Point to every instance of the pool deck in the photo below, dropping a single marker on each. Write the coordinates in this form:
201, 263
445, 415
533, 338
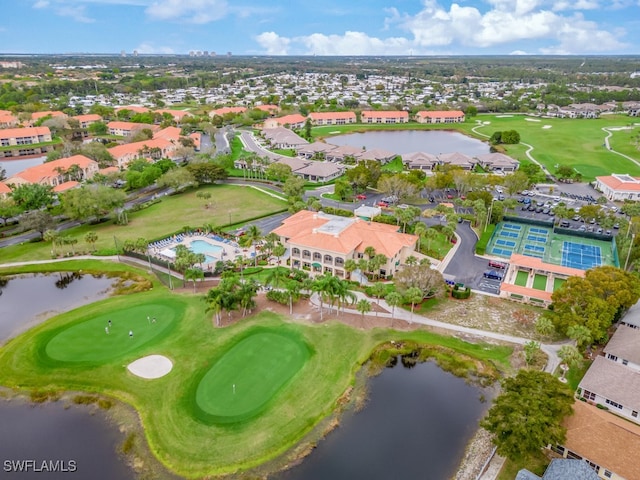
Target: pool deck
230, 249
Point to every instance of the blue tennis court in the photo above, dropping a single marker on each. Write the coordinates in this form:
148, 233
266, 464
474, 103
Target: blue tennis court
541, 231
501, 252
507, 234
536, 238
505, 243
580, 255
533, 249
511, 226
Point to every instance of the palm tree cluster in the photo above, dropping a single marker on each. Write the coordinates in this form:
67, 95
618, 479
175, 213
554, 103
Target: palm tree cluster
231, 294
333, 291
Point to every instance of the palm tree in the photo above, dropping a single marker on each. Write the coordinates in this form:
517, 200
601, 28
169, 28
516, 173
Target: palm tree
363, 306
419, 230
253, 236
581, 334
393, 299
293, 289
279, 250
413, 295
430, 234
320, 285
342, 293
52, 236
91, 238
246, 295
570, 356
214, 300
378, 290
193, 274
276, 276
350, 266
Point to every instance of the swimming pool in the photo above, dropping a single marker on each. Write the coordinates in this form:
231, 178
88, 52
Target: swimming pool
209, 250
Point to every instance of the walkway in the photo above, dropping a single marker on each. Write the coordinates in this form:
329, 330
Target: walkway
610, 131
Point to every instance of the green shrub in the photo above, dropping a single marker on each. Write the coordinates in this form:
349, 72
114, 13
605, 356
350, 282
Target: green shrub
85, 399
460, 292
341, 212
252, 270
106, 252
383, 218
481, 246
278, 296
128, 444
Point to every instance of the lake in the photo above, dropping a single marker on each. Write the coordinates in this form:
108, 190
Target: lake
416, 424
408, 141
14, 166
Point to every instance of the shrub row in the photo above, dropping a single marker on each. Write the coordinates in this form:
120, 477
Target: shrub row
278, 296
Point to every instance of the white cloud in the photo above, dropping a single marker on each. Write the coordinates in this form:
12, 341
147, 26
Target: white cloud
77, 12
149, 48
563, 5
518, 52
191, 11
41, 4
273, 44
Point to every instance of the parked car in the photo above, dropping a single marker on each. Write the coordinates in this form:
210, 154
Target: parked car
564, 223
616, 226
383, 204
499, 265
492, 274
582, 228
576, 218
361, 196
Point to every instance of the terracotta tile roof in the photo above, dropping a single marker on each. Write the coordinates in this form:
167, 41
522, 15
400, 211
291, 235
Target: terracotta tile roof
176, 114
117, 125
456, 158
65, 186
24, 132
197, 138
529, 292
291, 119
603, 438
625, 344
168, 133
4, 189
615, 183
268, 108
536, 263
40, 173
440, 114
304, 229
8, 118
384, 114
133, 148
224, 110
90, 117
332, 115
614, 381
108, 170
38, 115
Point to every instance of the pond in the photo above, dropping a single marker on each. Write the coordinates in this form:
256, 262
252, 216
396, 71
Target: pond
408, 141
416, 424
19, 164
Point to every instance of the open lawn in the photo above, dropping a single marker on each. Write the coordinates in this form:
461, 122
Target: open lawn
307, 367
230, 204
575, 142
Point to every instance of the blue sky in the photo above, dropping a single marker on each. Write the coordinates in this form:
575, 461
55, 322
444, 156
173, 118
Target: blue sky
327, 27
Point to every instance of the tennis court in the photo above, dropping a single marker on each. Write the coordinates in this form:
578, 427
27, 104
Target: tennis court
558, 249
580, 255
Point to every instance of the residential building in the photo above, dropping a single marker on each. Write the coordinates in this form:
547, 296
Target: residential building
378, 155
5, 190
420, 161
528, 293
457, 159
56, 172
283, 138
339, 154
497, 162
124, 129
381, 116
605, 442
153, 149
226, 110
315, 150
28, 141
448, 116
619, 187
86, 120
562, 469
322, 243
133, 108
35, 116
271, 109
332, 118
8, 119
294, 121
178, 115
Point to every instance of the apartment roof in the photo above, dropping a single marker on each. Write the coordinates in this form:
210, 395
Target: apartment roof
614, 381
132, 126
625, 344
529, 292
331, 115
90, 117
7, 117
385, 114
4, 189
291, 119
168, 133
419, 158
197, 138
63, 187
176, 114
440, 114
268, 108
343, 235
38, 115
620, 182
535, 263
134, 148
632, 317
224, 110
456, 158
40, 173
605, 439
377, 154
24, 132
496, 159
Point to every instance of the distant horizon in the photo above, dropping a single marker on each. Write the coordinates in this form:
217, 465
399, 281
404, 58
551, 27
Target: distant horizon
329, 28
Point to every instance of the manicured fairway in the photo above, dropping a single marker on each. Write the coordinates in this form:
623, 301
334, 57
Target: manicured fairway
88, 341
242, 382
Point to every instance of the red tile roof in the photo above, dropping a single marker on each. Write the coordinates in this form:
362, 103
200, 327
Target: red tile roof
168, 133
291, 119
268, 108
176, 114
332, 115
24, 132
440, 114
528, 292
385, 114
536, 263
616, 184
90, 117
65, 186
42, 172
4, 189
224, 110
37, 115
118, 125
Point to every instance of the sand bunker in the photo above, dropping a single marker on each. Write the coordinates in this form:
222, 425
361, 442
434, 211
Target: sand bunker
152, 366
546, 126
504, 116
532, 119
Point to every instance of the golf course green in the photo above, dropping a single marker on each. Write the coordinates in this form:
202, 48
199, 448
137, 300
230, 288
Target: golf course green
94, 341
240, 385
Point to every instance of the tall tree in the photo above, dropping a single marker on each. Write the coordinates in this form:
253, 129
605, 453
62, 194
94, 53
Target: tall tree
393, 299
363, 306
528, 414
91, 202
37, 220
32, 196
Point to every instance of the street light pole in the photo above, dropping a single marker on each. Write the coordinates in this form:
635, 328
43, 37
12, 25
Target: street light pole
626, 262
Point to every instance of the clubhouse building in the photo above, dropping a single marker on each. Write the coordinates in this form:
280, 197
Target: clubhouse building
619, 187
322, 243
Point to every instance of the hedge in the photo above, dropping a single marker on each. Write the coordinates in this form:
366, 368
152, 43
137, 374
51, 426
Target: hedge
481, 246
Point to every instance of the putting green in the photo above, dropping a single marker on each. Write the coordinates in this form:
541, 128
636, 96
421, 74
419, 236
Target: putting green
89, 342
243, 381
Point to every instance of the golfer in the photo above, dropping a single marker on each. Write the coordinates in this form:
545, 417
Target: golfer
106, 330
109, 323
130, 333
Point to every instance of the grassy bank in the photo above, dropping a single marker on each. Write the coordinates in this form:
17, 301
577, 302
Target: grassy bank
168, 406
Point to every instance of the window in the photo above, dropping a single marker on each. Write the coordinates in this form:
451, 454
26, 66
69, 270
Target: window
328, 259
317, 256
296, 251
625, 362
607, 474
634, 414
589, 395
612, 357
613, 404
